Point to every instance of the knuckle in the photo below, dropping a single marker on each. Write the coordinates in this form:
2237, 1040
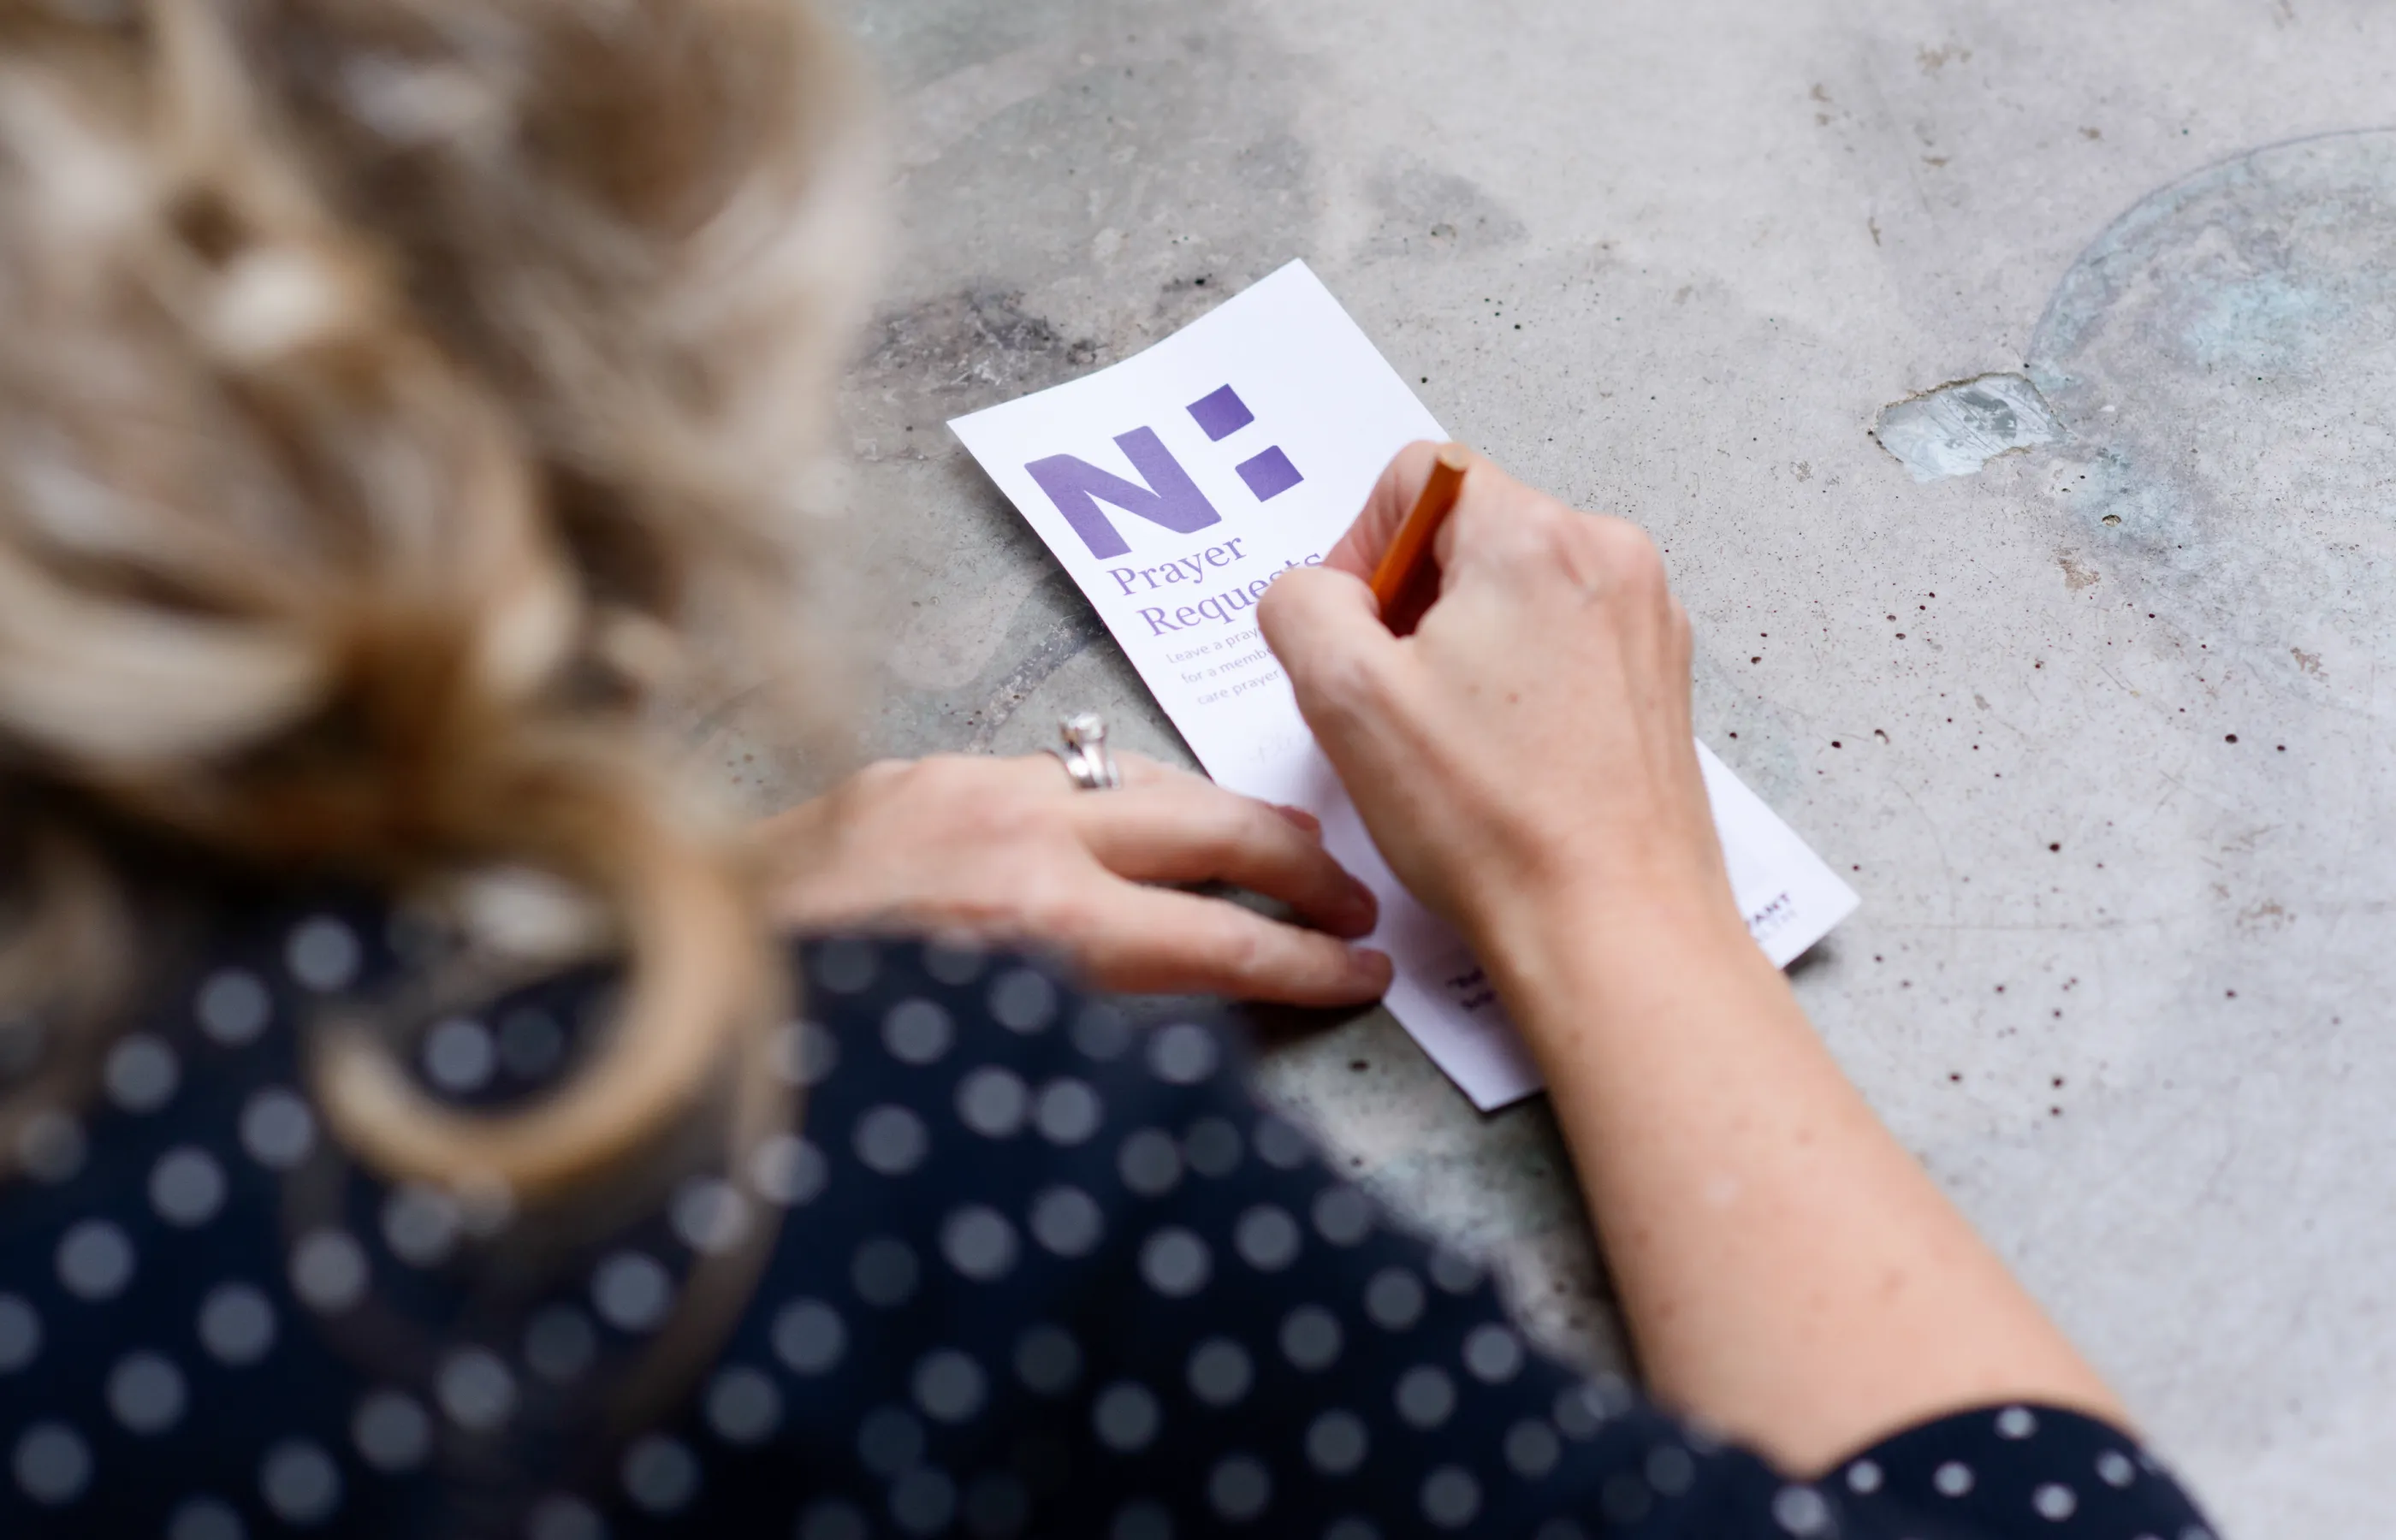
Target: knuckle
1531, 531
884, 774
873, 789
1630, 553
1229, 826
1236, 946
1276, 600
1351, 683
1054, 904
947, 773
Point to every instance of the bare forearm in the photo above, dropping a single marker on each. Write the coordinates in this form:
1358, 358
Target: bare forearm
1789, 1272
1523, 763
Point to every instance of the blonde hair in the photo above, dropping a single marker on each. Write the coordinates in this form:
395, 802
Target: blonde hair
403, 401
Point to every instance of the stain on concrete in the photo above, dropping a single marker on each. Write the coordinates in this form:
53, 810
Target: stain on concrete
1956, 428
1426, 211
2221, 357
1074, 630
980, 342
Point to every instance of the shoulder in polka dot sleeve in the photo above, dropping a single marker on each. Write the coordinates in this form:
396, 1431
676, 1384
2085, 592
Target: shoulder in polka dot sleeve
2018, 1471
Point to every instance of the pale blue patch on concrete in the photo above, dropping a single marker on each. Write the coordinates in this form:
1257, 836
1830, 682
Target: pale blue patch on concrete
1956, 428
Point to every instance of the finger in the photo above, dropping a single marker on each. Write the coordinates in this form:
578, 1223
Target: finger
1326, 628
1146, 940
1199, 833
1141, 772
1043, 773
1386, 508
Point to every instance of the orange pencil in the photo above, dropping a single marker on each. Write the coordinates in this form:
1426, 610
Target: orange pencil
1407, 582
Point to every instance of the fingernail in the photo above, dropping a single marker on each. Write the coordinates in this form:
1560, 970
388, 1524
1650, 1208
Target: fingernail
1374, 967
1302, 818
1359, 910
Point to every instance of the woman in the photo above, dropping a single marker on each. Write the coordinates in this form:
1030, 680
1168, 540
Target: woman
414, 1126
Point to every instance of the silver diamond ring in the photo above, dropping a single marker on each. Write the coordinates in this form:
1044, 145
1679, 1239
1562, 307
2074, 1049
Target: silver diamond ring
1084, 754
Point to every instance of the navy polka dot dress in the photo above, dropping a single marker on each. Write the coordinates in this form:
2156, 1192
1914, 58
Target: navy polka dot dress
1019, 1270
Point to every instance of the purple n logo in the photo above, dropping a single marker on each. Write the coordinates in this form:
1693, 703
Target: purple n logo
1169, 498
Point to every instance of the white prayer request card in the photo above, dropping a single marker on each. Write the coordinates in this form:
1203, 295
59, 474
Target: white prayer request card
1175, 485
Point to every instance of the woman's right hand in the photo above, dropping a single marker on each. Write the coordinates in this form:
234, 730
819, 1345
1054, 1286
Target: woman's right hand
1527, 749
1523, 761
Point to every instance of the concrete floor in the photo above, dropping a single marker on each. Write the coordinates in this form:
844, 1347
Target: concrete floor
2097, 732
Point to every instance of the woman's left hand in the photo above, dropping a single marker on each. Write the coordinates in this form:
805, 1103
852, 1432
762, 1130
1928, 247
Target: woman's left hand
1010, 851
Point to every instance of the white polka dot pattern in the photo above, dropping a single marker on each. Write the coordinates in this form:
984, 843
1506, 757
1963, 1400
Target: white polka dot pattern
632, 1291
563, 1517
95, 1260
1220, 1372
51, 1464
710, 1215
744, 1406
475, 1389
1800, 1510
51, 1146
950, 1386
1042, 1271
1126, 1417
277, 1129
328, 1271
660, 1474
1239, 1488
323, 955
809, 1337
236, 1324
1022, 1001
787, 1170
300, 1482
147, 1392
1067, 1221
391, 1432
1336, 1442
993, 1102
1067, 1111
234, 1007
142, 1073
1450, 1497
1183, 1054
20, 1333
560, 1344
420, 1225
205, 1518
1532, 1449
1175, 1263
917, 1031
187, 1187
460, 1057
806, 1054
